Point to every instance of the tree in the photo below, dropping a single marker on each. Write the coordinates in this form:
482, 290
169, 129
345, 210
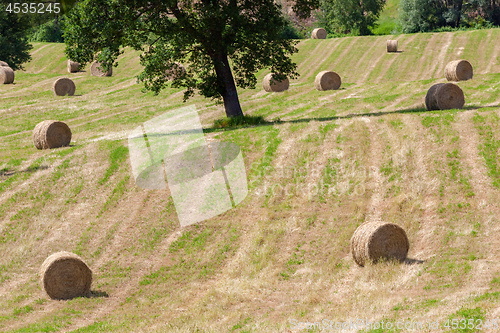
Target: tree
14, 46
350, 16
428, 15
421, 15
210, 36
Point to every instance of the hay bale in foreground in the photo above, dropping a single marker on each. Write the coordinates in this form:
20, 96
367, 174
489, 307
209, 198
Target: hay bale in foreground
271, 85
51, 134
392, 46
444, 96
95, 70
318, 33
65, 275
327, 80
4, 64
458, 70
63, 87
177, 70
373, 241
6, 75
73, 66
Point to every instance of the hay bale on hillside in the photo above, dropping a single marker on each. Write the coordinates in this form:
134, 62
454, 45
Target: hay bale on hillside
6, 75
392, 46
444, 96
177, 70
318, 33
96, 70
373, 241
65, 275
458, 70
73, 66
271, 85
327, 80
63, 87
4, 64
51, 134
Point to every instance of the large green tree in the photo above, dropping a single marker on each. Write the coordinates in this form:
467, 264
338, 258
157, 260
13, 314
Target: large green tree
223, 43
14, 46
350, 16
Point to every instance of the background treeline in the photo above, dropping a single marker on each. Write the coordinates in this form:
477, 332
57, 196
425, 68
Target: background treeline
338, 17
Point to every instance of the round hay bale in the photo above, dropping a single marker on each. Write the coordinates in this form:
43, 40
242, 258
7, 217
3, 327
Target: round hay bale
392, 46
63, 87
51, 134
373, 241
4, 64
73, 66
175, 71
6, 75
95, 70
271, 85
444, 96
458, 70
65, 275
318, 33
327, 80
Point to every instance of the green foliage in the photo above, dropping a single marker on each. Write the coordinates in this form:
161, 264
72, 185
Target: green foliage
238, 121
434, 15
210, 37
50, 31
14, 48
350, 16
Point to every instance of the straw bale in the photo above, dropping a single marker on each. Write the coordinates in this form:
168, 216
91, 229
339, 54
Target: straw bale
64, 275
444, 96
4, 64
6, 75
271, 85
73, 66
458, 70
373, 241
63, 87
95, 70
51, 134
318, 33
392, 46
177, 70
327, 80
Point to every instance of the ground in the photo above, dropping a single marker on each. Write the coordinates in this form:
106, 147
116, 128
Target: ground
322, 164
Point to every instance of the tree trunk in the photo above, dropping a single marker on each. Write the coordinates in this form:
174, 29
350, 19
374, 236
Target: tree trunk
228, 91
458, 10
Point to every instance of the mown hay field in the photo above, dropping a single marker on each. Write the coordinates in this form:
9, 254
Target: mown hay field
324, 163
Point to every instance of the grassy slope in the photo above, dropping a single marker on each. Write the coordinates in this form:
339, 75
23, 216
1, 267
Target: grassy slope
335, 160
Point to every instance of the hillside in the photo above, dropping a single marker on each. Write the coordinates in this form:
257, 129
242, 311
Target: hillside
324, 163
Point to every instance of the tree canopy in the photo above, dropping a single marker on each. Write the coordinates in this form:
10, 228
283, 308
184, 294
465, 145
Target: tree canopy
222, 43
14, 46
350, 16
428, 15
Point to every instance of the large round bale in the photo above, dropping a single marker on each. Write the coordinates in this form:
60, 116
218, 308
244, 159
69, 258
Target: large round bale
4, 64
271, 85
318, 33
73, 66
373, 241
63, 87
96, 70
51, 134
65, 275
177, 70
458, 70
392, 46
6, 75
327, 80
444, 96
